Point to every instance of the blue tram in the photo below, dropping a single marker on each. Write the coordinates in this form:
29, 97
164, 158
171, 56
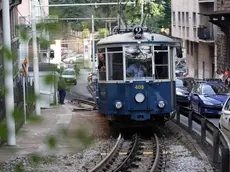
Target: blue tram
137, 76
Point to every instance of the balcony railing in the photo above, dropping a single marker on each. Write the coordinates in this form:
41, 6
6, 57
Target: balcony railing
206, 1
205, 34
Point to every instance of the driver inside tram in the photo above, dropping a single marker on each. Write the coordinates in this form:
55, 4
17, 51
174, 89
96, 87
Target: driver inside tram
136, 70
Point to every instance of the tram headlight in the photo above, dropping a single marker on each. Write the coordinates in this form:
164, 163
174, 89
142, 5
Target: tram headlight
118, 105
139, 97
161, 104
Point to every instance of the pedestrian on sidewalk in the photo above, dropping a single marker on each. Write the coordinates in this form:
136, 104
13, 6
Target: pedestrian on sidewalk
226, 77
219, 74
61, 90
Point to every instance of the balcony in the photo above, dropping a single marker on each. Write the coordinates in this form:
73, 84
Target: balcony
206, 1
205, 34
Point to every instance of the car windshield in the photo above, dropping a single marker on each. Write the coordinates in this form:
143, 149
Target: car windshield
179, 83
68, 72
214, 90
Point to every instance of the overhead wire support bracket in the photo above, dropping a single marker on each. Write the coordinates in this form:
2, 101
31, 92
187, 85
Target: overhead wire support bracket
85, 4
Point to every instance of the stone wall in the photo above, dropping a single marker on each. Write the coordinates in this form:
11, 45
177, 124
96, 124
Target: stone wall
221, 38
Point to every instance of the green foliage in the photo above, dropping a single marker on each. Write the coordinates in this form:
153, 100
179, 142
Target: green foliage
7, 54
49, 79
52, 142
44, 42
37, 159
103, 32
23, 33
85, 33
19, 167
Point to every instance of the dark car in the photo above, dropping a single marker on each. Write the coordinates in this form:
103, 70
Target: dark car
188, 82
182, 93
208, 97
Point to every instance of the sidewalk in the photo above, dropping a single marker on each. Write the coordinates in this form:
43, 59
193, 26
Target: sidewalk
31, 137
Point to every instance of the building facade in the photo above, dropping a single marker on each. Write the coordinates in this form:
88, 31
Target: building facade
222, 42
26, 46
197, 35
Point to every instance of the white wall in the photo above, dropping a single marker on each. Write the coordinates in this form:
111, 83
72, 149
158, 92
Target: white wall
57, 52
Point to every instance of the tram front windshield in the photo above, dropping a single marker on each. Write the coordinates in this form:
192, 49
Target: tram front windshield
138, 62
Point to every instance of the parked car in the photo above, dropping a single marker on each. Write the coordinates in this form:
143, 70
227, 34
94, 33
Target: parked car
208, 97
70, 76
188, 82
182, 93
224, 122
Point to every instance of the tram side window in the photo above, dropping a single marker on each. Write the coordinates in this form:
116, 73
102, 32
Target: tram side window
161, 65
115, 66
102, 66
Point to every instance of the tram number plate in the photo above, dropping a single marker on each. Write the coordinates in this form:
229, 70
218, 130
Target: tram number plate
139, 87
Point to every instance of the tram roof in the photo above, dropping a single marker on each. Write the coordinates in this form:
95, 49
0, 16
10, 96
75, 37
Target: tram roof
128, 38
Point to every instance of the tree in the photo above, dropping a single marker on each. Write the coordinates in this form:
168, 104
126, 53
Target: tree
159, 13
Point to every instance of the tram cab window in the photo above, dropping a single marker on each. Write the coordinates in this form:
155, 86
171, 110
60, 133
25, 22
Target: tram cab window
138, 62
102, 66
115, 66
161, 65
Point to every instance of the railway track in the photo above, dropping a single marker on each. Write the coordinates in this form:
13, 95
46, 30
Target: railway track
79, 102
132, 155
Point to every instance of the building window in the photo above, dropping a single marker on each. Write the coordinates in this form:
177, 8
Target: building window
187, 46
194, 19
194, 33
187, 19
187, 30
183, 32
179, 19
179, 31
192, 48
174, 18
183, 23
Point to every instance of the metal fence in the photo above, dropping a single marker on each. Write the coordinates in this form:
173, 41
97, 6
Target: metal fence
18, 102
219, 142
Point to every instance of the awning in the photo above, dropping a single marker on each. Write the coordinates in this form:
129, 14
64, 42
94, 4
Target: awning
219, 18
12, 3
216, 13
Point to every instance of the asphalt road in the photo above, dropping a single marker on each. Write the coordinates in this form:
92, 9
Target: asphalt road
80, 90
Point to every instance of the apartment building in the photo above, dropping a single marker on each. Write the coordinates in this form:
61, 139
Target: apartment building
197, 35
24, 17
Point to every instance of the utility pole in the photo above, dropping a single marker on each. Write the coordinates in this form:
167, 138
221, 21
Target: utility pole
93, 53
142, 10
35, 59
8, 76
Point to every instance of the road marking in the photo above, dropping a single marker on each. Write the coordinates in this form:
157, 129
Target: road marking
93, 114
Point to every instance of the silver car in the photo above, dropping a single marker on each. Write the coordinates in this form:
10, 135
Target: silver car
70, 76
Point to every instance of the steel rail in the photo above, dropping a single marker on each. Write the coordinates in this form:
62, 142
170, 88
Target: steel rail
157, 157
103, 163
91, 103
128, 157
